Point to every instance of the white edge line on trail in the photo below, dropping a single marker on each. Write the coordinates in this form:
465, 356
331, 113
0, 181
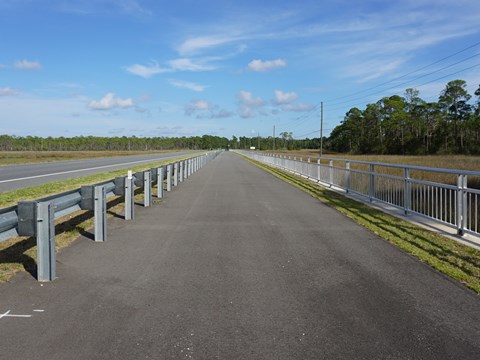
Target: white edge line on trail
88, 169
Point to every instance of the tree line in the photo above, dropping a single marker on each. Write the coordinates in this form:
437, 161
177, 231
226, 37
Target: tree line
409, 125
95, 143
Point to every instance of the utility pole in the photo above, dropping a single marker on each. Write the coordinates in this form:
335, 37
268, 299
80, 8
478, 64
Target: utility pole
273, 137
321, 129
258, 141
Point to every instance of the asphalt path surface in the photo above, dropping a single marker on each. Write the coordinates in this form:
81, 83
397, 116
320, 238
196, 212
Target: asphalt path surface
236, 264
20, 176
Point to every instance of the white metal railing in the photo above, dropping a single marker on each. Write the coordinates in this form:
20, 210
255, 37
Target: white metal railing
451, 203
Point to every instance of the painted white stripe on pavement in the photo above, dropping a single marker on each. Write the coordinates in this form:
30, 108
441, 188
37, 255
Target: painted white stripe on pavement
88, 169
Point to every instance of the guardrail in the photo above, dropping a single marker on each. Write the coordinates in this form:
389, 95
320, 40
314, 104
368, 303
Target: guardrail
402, 186
37, 218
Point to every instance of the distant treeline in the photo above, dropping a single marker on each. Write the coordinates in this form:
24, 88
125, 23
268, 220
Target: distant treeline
409, 125
87, 143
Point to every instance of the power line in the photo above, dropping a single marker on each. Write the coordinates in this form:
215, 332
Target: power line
409, 81
409, 73
417, 86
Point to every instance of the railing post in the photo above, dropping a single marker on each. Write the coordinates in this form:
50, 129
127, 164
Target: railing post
129, 197
371, 187
169, 177
147, 188
330, 166
407, 190
45, 234
461, 203
347, 171
160, 178
100, 213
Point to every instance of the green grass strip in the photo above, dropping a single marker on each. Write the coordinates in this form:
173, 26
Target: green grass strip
452, 258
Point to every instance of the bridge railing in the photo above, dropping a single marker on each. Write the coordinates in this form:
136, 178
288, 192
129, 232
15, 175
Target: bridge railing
414, 189
37, 218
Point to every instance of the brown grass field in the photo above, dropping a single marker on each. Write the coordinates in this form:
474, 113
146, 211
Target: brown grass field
30, 157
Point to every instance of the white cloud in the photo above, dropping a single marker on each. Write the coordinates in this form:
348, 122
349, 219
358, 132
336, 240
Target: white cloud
28, 65
109, 101
199, 105
282, 98
248, 104
187, 85
146, 71
196, 44
7, 91
246, 98
261, 66
185, 64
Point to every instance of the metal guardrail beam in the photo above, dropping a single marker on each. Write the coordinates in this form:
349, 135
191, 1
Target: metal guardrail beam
37, 218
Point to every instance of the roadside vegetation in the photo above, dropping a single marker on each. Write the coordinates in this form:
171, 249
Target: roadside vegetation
456, 260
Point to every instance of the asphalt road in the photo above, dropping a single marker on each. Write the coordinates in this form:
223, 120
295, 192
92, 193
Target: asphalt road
236, 264
20, 176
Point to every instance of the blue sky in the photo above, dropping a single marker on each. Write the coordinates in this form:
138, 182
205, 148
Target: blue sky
182, 68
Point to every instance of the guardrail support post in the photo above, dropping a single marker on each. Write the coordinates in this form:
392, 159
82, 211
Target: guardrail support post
175, 174
169, 177
160, 178
129, 197
147, 188
45, 242
407, 190
100, 213
182, 163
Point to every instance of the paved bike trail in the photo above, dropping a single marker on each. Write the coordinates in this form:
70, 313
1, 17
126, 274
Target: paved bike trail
236, 264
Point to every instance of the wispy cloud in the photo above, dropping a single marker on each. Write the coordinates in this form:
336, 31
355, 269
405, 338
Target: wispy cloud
8, 91
88, 7
146, 71
187, 85
27, 65
109, 101
261, 66
195, 44
186, 64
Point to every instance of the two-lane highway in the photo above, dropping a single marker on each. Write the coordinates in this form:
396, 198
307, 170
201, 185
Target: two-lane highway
20, 176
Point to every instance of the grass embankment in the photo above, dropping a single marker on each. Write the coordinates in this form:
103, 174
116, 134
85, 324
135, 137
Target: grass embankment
456, 260
20, 253
30, 157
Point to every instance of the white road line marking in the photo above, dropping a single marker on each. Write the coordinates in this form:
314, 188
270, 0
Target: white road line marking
7, 314
38, 310
88, 169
